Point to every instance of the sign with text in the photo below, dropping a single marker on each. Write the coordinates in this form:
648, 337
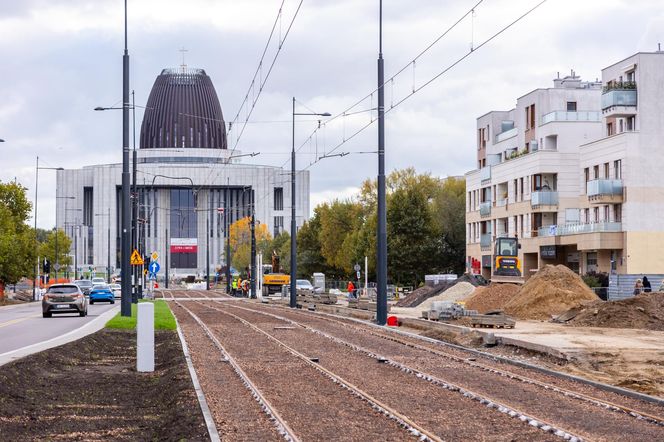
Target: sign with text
184, 245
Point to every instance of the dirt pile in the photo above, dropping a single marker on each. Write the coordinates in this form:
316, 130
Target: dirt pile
418, 296
550, 292
645, 311
458, 292
492, 297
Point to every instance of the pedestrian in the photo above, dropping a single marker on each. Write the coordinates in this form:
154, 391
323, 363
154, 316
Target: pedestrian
233, 286
638, 287
351, 289
646, 285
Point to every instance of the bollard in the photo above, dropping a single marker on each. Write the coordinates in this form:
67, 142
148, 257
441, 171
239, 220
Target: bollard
145, 337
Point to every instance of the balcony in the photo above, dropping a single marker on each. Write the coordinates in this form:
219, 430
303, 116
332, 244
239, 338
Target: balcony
501, 202
486, 241
543, 198
507, 135
619, 101
485, 174
556, 116
578, 228
604, 191
485, 208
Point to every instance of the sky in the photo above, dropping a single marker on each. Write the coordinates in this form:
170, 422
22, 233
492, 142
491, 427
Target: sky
62, 58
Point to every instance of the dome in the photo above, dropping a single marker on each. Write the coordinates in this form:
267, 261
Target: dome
183, 111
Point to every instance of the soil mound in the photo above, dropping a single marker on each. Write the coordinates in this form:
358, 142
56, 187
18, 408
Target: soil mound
550, 292
418, 296
458, 292
644, 311
492, 297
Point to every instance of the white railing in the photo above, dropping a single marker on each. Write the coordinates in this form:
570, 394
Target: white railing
507, 135
501, 202
485, 208
604, 187
485, 174
578, 228
486, 240
570, 116
544, 198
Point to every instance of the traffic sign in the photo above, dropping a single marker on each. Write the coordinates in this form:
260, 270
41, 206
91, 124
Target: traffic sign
154, 256
154, 267
57, 267
136, 259
358, 275
152, 277
357, 267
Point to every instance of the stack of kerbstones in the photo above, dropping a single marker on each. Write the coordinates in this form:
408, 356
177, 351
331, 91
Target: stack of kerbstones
307, 297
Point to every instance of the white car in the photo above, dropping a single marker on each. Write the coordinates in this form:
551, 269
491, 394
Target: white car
96, 281
117, 290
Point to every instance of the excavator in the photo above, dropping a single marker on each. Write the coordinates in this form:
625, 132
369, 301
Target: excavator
273, 278
506, 263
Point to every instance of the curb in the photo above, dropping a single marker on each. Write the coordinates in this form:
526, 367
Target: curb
84, 330
207, 415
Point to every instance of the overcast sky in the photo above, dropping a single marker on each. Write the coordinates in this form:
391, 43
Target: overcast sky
61, 58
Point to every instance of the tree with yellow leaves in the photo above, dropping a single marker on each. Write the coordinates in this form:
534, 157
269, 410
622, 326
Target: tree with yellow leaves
240, 238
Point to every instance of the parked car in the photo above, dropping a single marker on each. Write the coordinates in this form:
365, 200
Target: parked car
96, 281
117, 290
85, 285
103, 293
305, 284
64, 298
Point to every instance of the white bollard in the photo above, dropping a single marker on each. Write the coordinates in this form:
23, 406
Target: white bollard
145, 337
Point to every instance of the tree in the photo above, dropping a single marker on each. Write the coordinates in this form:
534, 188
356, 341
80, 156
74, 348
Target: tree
17, 239
47, 249
450, 215
240, 239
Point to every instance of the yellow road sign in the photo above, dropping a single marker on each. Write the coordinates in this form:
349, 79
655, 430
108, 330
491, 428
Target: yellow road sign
136, 259
155, 256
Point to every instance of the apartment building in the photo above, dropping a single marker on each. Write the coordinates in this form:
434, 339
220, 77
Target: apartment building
572, 171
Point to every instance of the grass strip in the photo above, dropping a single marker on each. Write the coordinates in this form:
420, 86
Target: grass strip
163, 318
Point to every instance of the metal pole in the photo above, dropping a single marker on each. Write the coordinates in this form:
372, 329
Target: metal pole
75, 255
108, 251
228, 239
126, 215
293, 232
36, 274
167, 253
207, 251
134, 202
253, 247
381, 268
56, 238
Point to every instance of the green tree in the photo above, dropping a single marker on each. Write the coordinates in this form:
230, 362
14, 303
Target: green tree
17, 239
240, 239
450, 215
47, 250
309, 257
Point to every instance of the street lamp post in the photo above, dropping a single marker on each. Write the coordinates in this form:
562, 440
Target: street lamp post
293, 264
57, 259
36, 273
108, 244
125, 308
381, 264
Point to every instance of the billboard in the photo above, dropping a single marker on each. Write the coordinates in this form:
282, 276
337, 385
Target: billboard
184, 245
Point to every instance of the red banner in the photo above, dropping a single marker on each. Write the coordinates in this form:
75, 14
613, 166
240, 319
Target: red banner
184, 249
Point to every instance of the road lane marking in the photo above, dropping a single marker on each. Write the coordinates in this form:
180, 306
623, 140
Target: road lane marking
17, 320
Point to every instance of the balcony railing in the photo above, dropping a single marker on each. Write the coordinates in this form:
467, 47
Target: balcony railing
617, 97
619, 85
507, 135
486, 239
485, 174
501, 202
578, 228
604, 187
544, 198
570, 116
485, 208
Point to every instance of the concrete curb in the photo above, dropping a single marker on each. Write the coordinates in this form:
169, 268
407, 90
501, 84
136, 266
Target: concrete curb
84, 330
207, 415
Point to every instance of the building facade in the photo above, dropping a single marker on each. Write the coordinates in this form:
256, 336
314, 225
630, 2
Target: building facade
189, 186
572, 172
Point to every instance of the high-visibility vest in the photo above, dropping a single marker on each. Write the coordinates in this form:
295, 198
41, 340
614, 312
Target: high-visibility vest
235, 283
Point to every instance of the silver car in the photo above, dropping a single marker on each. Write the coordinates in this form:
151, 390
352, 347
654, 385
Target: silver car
64, 298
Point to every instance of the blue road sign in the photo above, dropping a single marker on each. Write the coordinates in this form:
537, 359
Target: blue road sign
152, 277
154, 267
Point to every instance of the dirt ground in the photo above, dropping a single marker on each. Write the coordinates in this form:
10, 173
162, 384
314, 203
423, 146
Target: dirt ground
89, 390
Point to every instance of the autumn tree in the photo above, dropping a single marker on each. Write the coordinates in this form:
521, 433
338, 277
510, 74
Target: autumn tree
240, 239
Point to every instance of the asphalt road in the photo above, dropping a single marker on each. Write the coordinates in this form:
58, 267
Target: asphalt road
23, 325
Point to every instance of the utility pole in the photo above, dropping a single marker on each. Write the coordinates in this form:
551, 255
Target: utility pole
167, 252
293, 228
207, 251
134, 203
36, 274
381, 269
253, 246
228, 242
126, 214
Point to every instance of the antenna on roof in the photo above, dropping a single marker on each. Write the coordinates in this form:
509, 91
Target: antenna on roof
183, 65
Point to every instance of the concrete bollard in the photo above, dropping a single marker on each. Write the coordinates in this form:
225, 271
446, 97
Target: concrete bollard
145, 337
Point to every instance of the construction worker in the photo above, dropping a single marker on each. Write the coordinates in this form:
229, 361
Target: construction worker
351, 290
245, 288
234, 286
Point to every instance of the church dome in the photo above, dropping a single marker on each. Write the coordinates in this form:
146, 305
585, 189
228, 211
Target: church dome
183, 111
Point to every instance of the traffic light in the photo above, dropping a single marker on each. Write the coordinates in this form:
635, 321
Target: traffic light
47, 266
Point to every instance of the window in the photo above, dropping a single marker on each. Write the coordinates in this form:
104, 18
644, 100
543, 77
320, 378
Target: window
278, 198
596, 172
596, 214
609, 129
617, 173
532, 116
278, 225
521, 188
591, 259
586, 216
606, 214
631, 123
606, 170
571, 106
617, 213
586, 173
621, 127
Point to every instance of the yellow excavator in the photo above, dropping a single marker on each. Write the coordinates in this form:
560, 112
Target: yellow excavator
273, 278
506, 263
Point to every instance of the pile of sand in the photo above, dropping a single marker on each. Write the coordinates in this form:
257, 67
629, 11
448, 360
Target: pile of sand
492, 297
550, 292
645, 311
458, 292
418, 296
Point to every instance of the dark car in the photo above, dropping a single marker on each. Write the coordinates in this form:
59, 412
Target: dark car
85, 285
103, 293
64, 298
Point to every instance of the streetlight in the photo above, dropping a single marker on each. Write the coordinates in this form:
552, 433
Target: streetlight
381, 264
57, 263
75, 239
36, 273
293, 272
108, 245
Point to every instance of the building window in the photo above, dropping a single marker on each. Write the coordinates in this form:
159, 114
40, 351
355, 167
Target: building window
586, 174
606, 170
631, 123
591, 259
606, 214
278, 225
617, 213
571, 106
596, 172
586, 216
617, 173
278, 198
521, 188
609, 129
532, 116
596, 214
